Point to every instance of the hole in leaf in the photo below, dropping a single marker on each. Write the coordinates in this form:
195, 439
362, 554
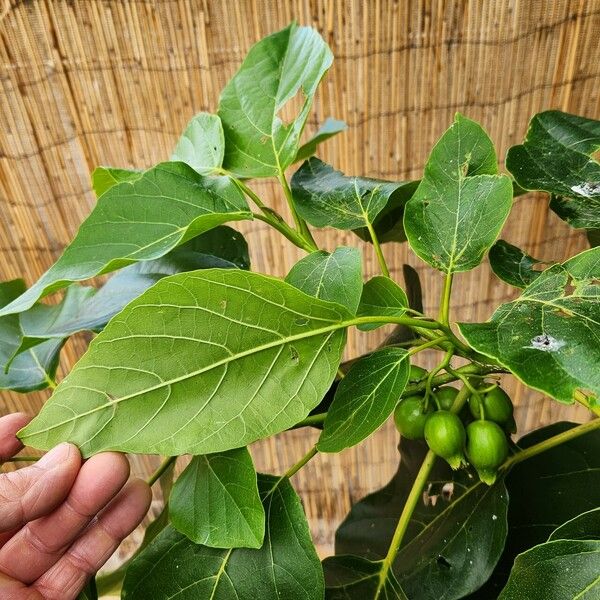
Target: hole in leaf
443, 562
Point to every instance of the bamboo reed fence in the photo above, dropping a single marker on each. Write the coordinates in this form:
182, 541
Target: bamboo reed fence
85, 83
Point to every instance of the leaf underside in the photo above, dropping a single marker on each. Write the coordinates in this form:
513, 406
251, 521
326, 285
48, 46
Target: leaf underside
512, 265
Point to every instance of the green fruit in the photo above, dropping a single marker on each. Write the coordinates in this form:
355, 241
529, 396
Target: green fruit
417, 373
487, 449
445, 396
497, 407
445, 436
410, 418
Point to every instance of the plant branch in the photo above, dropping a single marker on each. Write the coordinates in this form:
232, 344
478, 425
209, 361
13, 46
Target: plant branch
295, 468
300, 223
161, 470
444, 316
317, 419
584, 401
412, 500
377, 248
552, 442
285, 230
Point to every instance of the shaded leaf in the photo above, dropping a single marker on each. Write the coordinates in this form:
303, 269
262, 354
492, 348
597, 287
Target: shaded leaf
549, 336
461, 203
140, 220
350, 577
258, 143
103, 178
557, 157
454, 538
202, 145
389, 223
381, 296
336, 277
593, 236
220, 358
585, 526
89, 592
365, 398
558, 570
215, 501
34, 368
512, 265
327, 198
286, 566
542, 490
329, 128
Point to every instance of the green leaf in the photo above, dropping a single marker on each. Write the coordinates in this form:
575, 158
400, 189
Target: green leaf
329, 128
381, 296
350, 577
286, 566
461, 203
201, 362
454, 538
141, 220
215, 501
559, 570
33, 369
585, 526
202, 145
389, 223
512, 265
85, 308
89, 592
336, 277
327, 198
557, 157
258, 142
365, 398
593, 236
103, 178
549, 336
546, 491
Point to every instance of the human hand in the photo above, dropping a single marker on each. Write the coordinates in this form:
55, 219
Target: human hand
62, 518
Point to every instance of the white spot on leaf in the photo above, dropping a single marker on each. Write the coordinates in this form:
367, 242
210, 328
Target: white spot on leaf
588, 188
546, 343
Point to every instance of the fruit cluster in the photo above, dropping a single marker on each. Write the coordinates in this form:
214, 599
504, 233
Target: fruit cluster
478, 433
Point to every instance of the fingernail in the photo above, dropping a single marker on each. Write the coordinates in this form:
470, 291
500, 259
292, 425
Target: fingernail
56, 456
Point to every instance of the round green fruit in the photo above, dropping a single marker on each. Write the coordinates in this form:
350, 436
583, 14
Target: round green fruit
416, 373
446, 396
497, 407
487, 449
445, 436
410, 417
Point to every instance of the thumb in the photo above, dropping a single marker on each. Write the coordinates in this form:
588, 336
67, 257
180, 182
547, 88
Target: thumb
35, 491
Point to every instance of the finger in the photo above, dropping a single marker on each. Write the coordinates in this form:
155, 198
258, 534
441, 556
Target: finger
15, 590
38, 545
67, 577
9, 443
36, 491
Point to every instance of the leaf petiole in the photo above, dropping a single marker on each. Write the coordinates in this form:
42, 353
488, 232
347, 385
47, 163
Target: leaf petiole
377, 248
164, 466
300, 223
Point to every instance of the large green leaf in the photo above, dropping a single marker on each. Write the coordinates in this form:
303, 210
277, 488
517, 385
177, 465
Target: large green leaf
140, 220
549, 337
336, 277
103, 178
34, 368
327, 198
350, 577
389, 223
512, 265
258, 142
202, 145
558, 570
365, 398
585, 526
201, 362
285, 567
546, 491
461, 203
381, 296
557, 157
454, 538
329, 128
215, 501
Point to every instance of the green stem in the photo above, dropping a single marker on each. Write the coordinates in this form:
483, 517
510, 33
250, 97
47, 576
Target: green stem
552, 442
285, 230
425, 345
317, 419
584, 401
377, 248
295, 468
444, 317
412, 501
249, 192
400, 320
23, 459
161, 470
300, 223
